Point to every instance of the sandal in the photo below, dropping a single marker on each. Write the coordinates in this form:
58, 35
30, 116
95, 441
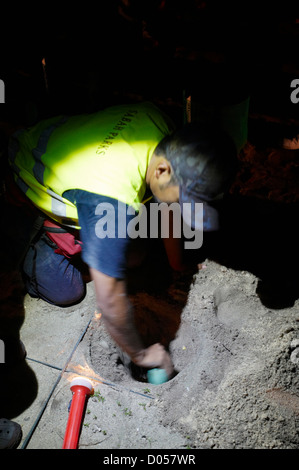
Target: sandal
10, 434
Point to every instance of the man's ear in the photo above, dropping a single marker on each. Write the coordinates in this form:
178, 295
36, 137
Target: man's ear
163, 170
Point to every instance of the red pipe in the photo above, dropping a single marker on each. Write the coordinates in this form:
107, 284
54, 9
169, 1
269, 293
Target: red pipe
81, 389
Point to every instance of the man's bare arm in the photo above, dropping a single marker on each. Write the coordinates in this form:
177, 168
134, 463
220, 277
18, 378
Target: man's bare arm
117, 313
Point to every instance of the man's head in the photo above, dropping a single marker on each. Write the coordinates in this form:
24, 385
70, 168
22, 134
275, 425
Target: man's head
196, 163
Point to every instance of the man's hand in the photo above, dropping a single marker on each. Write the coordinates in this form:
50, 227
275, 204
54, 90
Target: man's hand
155, 356
119, 321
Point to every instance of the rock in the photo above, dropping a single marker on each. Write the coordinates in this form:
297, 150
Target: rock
295, 356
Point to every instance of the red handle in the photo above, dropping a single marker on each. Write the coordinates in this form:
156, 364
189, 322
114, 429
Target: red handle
72, 432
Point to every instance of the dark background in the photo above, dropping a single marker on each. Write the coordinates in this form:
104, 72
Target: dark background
128, 50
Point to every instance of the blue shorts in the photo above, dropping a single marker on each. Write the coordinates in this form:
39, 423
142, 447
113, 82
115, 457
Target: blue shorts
51, 276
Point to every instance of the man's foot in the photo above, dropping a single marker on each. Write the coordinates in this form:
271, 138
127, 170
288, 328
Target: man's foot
10, 434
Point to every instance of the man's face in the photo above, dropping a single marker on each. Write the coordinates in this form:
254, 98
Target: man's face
165, 194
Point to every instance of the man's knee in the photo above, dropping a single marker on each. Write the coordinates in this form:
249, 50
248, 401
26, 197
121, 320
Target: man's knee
64, 294
52, 277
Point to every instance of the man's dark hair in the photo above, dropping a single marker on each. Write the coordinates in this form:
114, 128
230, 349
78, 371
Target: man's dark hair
201, 153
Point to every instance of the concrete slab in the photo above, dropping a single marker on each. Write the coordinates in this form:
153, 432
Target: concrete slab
51, 336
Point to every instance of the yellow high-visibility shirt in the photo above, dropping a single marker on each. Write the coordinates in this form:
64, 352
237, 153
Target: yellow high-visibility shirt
105, 153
